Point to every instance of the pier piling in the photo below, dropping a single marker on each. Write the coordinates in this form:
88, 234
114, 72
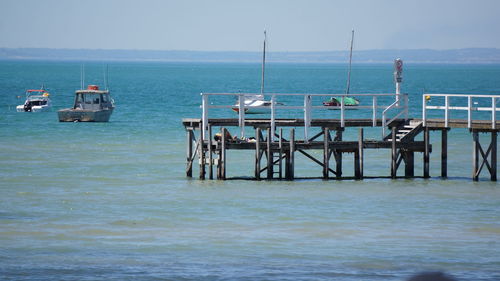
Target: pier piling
493, 152
258, 153
326, 152
223, 153
426, 152
201, 155
394, 159
210, 158
444, 153
291, 166
337, 153
360, 154
269, 154
189, 153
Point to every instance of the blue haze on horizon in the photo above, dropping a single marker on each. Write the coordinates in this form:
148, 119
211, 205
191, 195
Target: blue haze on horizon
235, 25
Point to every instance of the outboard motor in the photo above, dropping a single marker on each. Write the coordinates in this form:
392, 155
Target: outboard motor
27, 107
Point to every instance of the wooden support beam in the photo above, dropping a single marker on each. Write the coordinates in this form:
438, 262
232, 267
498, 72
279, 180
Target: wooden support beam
426, 152
394, 167
189, 153
361, 153
315, 136
399, 159
314, 159
287, 164
210, 159
475, 155
292, 154
484, 156
490, 154
493, 152
357, 172
326, 153
280, 164
274, 163
269, 155
223, 153
257, 153
219, 159
201, 156
409, 157
195, 153
338, 154
444, 153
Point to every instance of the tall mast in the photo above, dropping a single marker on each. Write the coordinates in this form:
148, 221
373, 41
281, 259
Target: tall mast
350, 62
263, 64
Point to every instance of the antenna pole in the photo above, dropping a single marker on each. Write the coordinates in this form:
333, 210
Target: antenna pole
81, 77
263, 64
350, 62
105, 73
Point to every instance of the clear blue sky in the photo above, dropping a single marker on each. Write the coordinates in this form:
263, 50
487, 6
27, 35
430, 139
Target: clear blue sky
219, 25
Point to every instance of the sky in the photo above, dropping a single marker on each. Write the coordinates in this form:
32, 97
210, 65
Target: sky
237, 25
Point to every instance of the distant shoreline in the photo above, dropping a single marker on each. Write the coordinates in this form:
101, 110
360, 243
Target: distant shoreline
427, 56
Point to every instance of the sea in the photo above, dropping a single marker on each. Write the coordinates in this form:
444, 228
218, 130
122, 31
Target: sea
111, 201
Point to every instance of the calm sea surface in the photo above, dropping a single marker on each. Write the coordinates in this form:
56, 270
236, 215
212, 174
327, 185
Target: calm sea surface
83, 201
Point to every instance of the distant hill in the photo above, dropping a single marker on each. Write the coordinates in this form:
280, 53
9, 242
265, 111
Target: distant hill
472, 55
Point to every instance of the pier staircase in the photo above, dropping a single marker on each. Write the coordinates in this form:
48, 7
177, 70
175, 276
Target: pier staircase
407, 132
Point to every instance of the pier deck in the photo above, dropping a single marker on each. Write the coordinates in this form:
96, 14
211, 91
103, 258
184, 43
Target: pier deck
432, 123
275, 149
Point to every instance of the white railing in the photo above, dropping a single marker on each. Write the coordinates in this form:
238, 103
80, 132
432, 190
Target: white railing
427, 98
394, 105
307, 107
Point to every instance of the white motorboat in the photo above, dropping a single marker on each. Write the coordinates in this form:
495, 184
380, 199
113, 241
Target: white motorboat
36, 101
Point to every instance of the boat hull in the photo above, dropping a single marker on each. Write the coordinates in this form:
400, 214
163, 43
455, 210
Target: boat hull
347, 107
255, 106
250, 110
21, 108
335, 103
78, 115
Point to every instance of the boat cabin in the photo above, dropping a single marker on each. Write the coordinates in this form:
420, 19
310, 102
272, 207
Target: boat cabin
92, 99
36, 100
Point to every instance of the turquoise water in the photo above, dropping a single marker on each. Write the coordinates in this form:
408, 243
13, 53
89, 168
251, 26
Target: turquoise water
83, 201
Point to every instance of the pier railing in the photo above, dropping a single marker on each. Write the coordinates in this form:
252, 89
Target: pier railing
468, 103
392, 108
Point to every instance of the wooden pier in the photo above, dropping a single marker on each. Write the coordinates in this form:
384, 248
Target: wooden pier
275, 141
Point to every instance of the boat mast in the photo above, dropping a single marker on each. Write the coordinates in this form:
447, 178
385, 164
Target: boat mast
106, 78
350, 62
263, 64
82, 76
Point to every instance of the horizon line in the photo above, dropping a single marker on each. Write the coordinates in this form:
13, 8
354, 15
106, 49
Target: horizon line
256, 51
